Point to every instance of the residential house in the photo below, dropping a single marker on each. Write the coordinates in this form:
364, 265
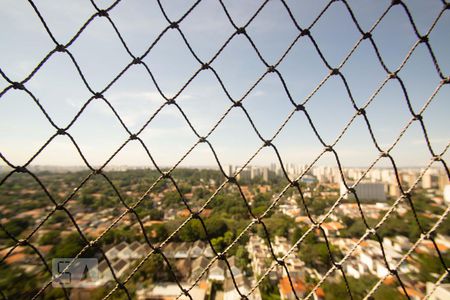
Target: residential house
197, 249
111, 252
171, 291
120, 267
281, 245
209, 252
134, 246
182, 251
143, 250
332, 228
170, 250
286, 292
183, 267
124, 251
235, 270
217, 270
243, 284
198, 266
295, 266
104, 273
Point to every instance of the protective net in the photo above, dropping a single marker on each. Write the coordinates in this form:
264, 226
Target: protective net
337, 264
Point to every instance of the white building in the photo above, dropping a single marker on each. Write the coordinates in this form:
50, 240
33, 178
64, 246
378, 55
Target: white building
217, 271
366, 191
447, 193
442, 292
244, 286
170, 291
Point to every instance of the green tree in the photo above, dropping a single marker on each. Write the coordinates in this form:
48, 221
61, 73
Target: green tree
269, 290
50, 238
70, 246
15, 227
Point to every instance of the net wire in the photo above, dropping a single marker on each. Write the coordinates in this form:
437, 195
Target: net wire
238, 104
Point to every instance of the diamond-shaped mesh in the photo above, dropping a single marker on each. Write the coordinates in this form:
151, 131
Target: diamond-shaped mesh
302, 34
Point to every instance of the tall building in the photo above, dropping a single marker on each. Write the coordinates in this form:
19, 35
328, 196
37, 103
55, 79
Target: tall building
265, 174
230, 170
366, 191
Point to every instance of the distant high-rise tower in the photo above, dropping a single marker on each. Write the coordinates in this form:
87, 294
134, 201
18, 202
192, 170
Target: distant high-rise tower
230, 170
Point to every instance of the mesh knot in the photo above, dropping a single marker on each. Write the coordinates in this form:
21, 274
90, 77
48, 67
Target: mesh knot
367, 35
371, 231
120, 285
98, 95
257, 220
328, 148
202, 139
271, 69
232, 179
392, 75
240, 30
98, 172
237, 104
133, 137
361, 111
338, 265
205, 66
267, 143
418, 117
157, 250
18, 86
393, 272
170, 101
395, 2
384, 154
102, 13
195, 215
21, 169
305, 32
430, 235
22, 242
92, 244
299, 107
174, 25
137, 60
446, 80
437, 158
334, 71
351, 190
165, 175
60, 48
243, 297
186, 292
61, 131
221, 256
424, 39
447, 6
59, 207
295, 183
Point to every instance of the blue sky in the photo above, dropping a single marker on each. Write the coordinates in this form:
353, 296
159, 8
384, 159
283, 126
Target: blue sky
101, 56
